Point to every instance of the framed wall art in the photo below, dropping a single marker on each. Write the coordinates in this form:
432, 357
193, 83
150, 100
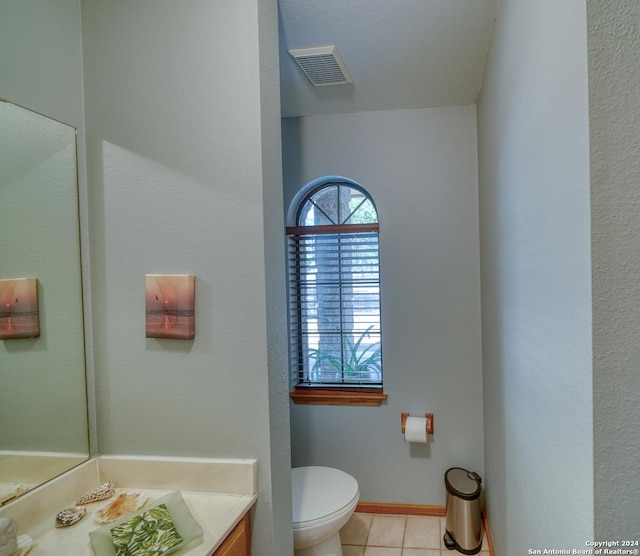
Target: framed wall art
170, 306
19, 316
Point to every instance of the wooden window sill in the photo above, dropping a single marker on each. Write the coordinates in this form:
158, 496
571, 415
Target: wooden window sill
319, 396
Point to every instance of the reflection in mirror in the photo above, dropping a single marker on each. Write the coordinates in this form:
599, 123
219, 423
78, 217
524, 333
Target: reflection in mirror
43, 404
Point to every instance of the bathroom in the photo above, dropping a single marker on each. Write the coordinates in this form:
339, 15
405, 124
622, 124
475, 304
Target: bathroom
180, 167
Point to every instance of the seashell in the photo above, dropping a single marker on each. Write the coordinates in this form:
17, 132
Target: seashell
69, 516
102, 492
24, 544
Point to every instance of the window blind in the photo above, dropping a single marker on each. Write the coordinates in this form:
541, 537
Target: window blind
334, 306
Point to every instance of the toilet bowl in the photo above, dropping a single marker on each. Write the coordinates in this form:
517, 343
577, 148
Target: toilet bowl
323, 501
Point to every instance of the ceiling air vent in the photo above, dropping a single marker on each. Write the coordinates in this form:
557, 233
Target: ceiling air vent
322, 65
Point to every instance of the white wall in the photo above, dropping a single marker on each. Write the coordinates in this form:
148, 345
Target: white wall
614, 90
420, 168
175, 145
533, 124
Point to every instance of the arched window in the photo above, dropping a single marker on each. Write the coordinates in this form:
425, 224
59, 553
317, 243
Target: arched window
334, 293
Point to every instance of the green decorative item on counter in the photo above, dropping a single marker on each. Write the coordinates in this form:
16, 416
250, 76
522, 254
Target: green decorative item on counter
149, 534
168, 518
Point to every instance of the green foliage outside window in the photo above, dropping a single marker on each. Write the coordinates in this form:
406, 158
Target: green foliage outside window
352, 360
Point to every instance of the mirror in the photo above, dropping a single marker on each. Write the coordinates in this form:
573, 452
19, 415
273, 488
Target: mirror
43, 402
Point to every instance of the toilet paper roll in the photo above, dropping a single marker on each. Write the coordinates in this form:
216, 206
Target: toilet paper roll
415, 430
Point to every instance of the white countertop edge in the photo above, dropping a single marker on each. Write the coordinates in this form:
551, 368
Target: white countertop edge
184, 459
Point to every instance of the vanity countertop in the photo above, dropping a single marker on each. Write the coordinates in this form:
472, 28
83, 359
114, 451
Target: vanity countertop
218, 493
217, 514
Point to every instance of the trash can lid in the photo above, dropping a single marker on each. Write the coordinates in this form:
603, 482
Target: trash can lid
462, 483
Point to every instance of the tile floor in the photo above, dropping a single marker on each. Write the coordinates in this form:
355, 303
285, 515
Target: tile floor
396, 535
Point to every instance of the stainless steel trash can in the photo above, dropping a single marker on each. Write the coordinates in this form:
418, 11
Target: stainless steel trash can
464, 522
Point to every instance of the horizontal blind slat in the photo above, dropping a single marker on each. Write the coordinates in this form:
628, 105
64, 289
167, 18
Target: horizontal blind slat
334, 307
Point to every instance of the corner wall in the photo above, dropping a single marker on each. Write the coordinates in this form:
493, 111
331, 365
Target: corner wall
275, 279
533, 133
420, 166
614, 90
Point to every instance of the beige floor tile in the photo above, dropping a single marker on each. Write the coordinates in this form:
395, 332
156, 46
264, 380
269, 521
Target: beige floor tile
422, 532
349, 550
382, 551
386, 530
420, 552
422, 536
356, 530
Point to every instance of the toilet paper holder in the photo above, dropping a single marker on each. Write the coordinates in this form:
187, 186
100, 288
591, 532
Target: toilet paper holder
427, 416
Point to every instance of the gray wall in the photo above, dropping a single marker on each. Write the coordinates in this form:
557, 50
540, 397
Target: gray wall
420, 166
533, 124
175, 146
614, 90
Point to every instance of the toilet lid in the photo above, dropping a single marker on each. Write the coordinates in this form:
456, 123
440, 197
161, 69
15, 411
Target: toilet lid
318, 492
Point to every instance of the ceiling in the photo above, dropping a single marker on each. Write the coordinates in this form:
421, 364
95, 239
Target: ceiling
400, 53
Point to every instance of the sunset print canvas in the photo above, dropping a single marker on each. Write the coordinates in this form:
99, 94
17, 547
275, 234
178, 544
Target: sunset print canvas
19, 308
170, 300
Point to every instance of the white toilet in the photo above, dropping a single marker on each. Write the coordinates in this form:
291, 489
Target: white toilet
323, 501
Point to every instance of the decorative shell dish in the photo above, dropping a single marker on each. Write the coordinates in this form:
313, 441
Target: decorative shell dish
104, 491
123, 504
69, 516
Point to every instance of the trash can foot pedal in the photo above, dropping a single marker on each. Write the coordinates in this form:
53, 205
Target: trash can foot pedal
448, 541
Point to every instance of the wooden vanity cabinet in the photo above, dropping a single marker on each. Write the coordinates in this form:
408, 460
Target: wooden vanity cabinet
238, 542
